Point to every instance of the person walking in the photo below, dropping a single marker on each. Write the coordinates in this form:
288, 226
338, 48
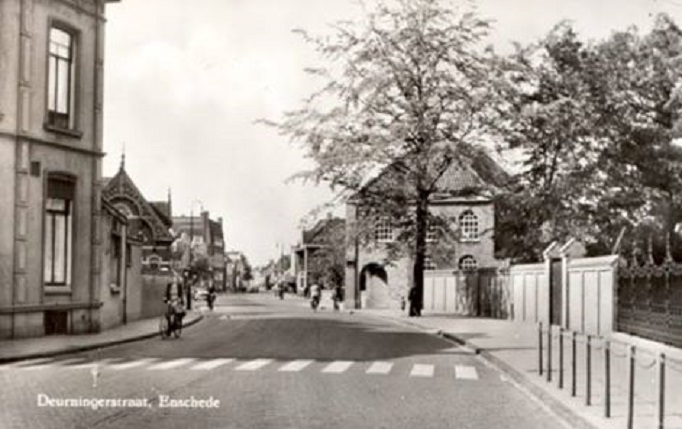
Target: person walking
415, 305
337, 297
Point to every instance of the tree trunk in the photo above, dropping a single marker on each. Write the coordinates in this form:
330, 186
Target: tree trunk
416, 304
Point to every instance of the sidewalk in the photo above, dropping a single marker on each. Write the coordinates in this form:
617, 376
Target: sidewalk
40, 347
512, 348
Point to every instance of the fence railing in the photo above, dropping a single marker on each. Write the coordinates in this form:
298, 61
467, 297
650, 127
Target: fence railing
649, 299
556, 340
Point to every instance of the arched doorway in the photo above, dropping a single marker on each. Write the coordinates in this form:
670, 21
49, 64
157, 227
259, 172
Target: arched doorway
374, 291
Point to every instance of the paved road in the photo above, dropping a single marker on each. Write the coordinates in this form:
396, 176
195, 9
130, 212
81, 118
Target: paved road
258, 362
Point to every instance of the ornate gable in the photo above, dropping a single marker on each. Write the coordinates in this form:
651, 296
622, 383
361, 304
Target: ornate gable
122, 193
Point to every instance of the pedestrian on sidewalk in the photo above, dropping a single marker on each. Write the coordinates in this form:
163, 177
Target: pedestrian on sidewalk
415, 305
337, 297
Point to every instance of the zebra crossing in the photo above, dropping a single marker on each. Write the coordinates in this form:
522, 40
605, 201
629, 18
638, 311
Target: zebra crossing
377, 368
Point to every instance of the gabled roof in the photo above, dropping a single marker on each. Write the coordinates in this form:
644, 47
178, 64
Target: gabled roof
480, 174
162, 208
318, 234
120, 190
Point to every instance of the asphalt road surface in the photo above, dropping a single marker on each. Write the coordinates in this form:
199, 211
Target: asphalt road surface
258, 362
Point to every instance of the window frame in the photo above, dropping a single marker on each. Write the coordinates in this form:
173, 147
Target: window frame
71, 127
50, 216
383, 231
469, 231
467, 258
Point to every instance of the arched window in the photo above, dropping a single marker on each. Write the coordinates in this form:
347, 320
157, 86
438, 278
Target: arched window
468, 224
154, 262
468, 263
125, 210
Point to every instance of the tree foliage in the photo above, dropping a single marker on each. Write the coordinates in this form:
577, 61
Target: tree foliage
410, 88
596, 122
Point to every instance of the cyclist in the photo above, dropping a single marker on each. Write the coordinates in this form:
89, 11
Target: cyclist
175, 310
315, 295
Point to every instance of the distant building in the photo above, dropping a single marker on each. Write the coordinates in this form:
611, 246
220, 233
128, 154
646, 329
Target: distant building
314, 255
206, 239
51, 100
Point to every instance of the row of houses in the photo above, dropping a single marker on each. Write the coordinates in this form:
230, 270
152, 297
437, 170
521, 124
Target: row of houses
78, 252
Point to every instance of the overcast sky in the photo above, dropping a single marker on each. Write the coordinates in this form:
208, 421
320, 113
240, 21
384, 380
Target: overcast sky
186, 79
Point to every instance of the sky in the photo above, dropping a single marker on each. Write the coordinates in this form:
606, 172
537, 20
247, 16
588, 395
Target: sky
186, 81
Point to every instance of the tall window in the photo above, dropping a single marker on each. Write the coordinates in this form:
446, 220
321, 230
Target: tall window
116, 256
383, 231
58, 239
61, 79
468, 224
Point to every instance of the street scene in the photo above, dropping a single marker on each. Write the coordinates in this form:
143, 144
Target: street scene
273, 364
341, 214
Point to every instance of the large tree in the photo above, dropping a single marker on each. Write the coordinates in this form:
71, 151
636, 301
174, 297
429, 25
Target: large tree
597, 122
408, 87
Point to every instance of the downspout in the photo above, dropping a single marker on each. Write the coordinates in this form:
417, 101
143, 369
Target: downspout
124, 268
17, 148
99, 12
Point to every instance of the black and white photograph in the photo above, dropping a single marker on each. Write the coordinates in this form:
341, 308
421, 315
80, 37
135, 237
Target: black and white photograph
341, 214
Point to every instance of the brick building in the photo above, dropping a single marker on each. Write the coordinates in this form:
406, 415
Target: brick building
464, 199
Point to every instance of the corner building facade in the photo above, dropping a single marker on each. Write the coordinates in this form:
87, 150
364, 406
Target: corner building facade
51, 96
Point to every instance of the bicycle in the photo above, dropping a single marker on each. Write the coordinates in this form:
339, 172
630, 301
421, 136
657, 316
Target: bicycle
173, 316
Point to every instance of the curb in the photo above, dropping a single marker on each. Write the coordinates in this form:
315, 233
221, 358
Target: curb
569, 417
87, 347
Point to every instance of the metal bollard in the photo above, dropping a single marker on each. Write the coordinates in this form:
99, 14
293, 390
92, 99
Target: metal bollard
549, 353
588, 370
540, 348
561, 357
660, 403
631, 387
574, 356
607, 379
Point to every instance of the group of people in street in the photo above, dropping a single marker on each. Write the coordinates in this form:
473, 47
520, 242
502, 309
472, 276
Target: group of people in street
314, 293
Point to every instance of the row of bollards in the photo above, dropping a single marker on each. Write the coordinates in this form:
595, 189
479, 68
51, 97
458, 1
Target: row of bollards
590, 340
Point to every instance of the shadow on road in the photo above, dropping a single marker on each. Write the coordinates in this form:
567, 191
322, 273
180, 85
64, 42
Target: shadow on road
286, 337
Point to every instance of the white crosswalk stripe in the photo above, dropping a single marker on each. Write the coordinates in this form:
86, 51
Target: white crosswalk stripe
212, 364
132, 364
253, 365
466, 372
295, 366
380, 368
37, 364
463, 372
421, 370
337, 367
171, 364
99, 363
30, 363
